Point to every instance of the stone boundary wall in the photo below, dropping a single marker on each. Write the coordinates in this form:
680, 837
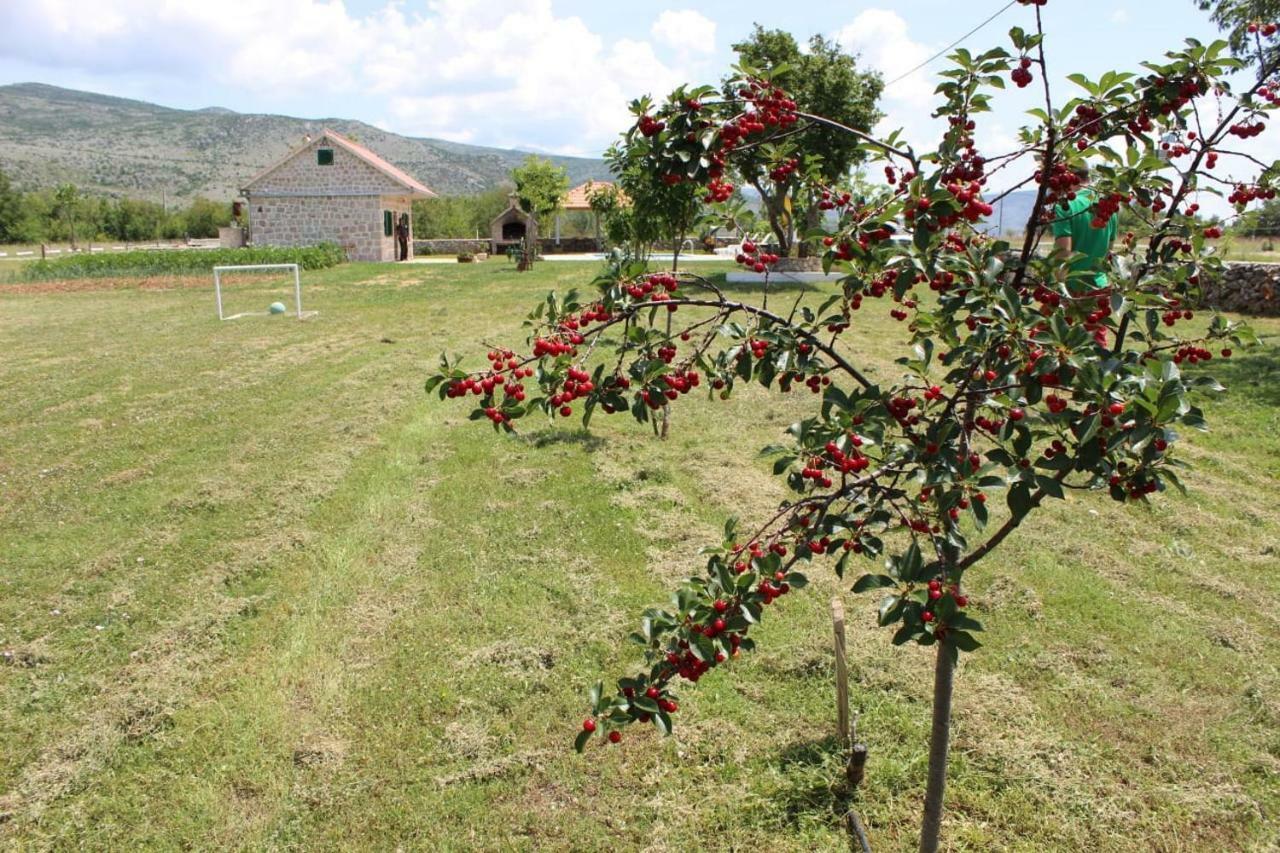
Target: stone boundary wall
1246, 288
449, 247
568, 245
547, 245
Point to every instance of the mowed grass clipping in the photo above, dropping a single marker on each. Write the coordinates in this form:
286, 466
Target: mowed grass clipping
257, 591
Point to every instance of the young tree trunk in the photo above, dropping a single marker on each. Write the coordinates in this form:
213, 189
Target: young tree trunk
939, 741
772, 209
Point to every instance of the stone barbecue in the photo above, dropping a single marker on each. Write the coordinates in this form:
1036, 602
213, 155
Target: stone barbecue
511, 227
333, 190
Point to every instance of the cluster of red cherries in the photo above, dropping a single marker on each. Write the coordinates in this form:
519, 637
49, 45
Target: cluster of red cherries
1021, 75
753, 258
650, 126
660, 282
1244, 193
1247, 129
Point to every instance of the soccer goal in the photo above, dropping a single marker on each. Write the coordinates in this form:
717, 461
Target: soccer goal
220, 271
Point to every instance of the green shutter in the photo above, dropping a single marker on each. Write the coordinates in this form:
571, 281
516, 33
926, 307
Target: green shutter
324, 156
386, 223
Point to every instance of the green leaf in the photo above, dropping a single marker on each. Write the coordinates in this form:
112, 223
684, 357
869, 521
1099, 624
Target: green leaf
890, 610
580, 741
869, 582
663, 721
1020, 500
1051, 486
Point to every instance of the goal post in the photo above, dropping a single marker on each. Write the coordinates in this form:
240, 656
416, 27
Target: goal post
217, 286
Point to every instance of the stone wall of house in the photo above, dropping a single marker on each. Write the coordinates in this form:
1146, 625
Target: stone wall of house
1246, 288
353, 222
356, 223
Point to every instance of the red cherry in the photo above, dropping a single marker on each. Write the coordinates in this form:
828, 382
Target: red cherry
615, 736
588, 725
1116, 408
1016, 414
653, 693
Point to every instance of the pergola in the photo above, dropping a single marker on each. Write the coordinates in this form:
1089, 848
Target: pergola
578, 199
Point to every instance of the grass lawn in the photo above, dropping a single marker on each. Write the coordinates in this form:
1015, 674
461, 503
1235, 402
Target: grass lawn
258, 591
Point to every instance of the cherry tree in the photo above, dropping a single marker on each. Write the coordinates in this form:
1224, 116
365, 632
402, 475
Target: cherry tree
1018, 381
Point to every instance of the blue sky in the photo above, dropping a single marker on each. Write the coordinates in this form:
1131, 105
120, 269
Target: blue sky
552, 75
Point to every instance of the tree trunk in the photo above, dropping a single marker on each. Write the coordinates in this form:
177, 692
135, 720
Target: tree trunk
771, 205
939, 741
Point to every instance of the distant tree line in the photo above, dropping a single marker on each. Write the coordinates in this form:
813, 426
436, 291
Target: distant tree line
457, 216
66, 215
540, 186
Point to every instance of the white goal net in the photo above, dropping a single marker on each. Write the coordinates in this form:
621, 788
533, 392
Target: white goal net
257, 283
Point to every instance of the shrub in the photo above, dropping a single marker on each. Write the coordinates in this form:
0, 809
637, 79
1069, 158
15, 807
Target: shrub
157, 262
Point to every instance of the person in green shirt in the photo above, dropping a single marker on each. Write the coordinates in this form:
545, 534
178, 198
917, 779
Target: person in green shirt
1074, 231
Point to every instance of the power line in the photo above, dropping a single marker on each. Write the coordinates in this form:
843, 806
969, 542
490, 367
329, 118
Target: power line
943, 52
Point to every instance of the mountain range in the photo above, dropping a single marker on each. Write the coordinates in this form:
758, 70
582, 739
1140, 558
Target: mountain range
121, 147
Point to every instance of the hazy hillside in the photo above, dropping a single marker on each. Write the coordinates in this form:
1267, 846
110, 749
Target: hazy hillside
118, 146
1011, 213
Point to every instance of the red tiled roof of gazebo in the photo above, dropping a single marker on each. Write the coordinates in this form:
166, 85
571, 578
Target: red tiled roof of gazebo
579, 198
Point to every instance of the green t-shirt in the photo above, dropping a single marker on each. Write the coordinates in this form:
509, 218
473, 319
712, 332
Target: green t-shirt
1075, 220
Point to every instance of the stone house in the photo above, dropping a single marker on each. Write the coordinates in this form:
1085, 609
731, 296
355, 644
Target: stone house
332, 190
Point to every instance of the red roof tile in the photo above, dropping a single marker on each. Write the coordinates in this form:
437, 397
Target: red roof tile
579, 198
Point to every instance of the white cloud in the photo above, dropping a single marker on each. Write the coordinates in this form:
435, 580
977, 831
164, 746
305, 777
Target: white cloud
505, 72
881, 39
685, 30
1120, 16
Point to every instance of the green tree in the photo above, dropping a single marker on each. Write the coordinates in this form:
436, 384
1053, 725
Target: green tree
133, 220
541, 186
1234, 17
10, 209
1015, 380
203, 217
462, 216
618, 220
652, 207
822, 81
66, 208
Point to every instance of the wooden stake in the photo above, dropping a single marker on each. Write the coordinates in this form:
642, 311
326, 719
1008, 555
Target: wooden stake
842, 674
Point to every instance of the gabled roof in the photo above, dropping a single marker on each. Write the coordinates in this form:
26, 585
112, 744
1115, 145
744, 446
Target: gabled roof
513, 206
415, 187
579, 198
